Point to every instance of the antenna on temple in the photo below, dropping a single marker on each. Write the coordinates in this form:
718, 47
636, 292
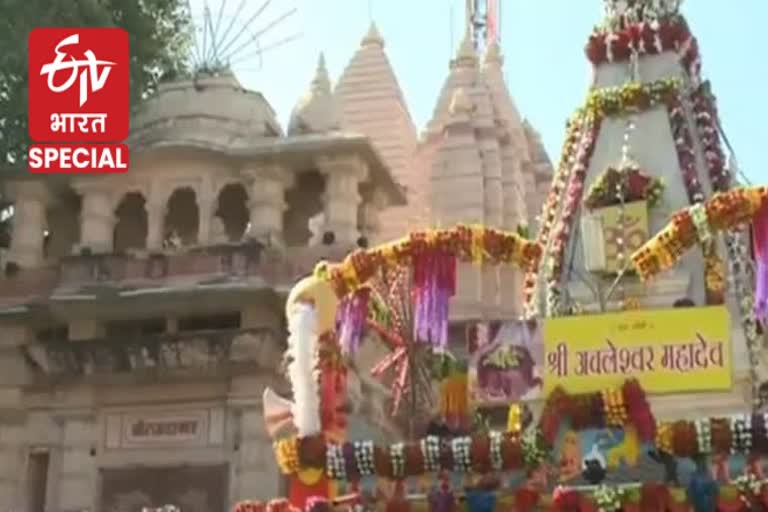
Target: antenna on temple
451, 29
218, 43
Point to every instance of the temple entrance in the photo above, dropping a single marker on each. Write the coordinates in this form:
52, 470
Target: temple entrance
190, 488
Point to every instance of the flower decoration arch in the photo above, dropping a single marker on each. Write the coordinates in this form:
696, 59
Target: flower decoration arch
332, 302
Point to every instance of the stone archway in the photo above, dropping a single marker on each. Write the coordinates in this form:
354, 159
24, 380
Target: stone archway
131, 225
182, 218
232, 213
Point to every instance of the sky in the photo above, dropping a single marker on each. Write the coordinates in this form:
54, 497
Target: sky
542, 42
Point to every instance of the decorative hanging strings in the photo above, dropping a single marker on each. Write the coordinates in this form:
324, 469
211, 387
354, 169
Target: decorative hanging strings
434, 283
760, 236
351, 320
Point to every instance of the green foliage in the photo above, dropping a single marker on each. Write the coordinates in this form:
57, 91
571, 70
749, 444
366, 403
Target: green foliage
481, 423
159, 31
444, 365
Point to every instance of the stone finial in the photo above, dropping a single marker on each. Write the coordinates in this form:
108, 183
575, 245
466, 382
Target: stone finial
316, 111
321, 82
461, 103
466, 56
493, 54
373, 37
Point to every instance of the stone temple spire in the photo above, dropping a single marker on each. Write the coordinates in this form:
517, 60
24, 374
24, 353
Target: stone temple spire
372, 103
316, 111
476, 154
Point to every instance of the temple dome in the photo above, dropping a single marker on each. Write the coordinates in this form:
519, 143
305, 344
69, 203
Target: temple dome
211, 111
317, 111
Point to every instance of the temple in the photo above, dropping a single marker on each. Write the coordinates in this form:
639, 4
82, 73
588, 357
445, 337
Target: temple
142, 314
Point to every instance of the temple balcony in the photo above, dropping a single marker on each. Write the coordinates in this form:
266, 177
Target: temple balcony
210, 353
236, 266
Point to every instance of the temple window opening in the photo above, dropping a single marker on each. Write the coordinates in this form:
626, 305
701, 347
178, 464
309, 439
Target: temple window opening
182, 220
61, 231
233, 213
38, 465
304, 203
132, 223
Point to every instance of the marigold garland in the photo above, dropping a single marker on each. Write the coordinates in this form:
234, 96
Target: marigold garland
287, 455
630, 98
724, 211
467, 243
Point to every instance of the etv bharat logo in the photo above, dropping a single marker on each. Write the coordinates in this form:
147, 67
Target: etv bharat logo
91, 65
78, 102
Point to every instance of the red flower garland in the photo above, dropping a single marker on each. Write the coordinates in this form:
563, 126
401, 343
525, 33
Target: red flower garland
526, 499
587, 411
654, 497
643, 38
573, 198
570, 500
573, 133
638, 410
705, 112
646, 39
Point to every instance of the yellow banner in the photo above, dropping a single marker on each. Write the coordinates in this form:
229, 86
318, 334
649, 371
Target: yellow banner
668, 350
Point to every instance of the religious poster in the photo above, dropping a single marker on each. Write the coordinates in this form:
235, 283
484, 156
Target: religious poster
668, 351
505, 363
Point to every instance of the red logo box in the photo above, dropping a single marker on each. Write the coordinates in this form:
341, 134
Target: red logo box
79, 81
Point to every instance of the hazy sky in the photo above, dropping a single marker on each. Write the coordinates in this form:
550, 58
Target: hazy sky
542, 41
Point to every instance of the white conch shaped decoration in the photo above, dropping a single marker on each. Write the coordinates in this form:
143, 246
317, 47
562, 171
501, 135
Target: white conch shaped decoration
278, 415
302, 370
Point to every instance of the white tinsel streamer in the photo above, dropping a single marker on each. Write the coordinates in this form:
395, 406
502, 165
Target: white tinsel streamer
302, 371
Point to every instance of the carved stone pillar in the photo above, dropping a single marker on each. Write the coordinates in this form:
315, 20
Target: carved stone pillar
11, 459
370, 214
256, 469
76, 480
205, 207
155, 219
97, 218
343, 176
29, 223
267, 203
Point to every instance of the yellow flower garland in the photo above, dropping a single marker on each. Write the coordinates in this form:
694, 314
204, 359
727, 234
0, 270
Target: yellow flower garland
453, 395
475, 243
664, 432
515, 419
287, 455
723, 211
615, 408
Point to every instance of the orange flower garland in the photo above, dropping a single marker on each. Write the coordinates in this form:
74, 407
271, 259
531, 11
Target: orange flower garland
476, 244
724, 211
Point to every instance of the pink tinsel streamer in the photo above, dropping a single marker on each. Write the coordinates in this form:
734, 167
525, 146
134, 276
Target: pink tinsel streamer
760, 236
350, 320
434, 279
